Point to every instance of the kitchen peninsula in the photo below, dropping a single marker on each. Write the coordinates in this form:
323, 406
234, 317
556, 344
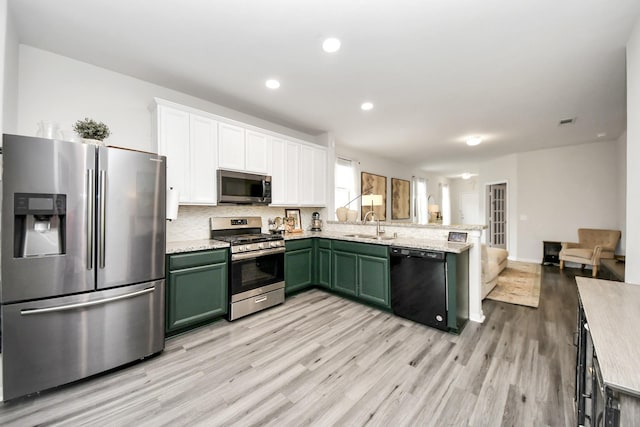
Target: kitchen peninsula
428, 236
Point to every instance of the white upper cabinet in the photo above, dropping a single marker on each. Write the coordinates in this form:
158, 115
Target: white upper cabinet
292, 165
313, 176
319, 182
299, 174
278, 172
173, 142
231, 147
256, 152
306, 177
242, 149
204, 144
197, 143
190, 143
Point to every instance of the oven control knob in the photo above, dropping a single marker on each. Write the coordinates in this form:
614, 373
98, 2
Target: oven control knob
240, 248
275, 244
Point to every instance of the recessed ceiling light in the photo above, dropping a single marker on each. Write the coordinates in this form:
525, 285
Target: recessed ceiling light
331, 45
474, 140
602, 135
366, 106
272, 84
466, 175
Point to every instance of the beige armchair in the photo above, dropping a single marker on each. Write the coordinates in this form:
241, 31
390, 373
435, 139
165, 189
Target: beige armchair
593, 246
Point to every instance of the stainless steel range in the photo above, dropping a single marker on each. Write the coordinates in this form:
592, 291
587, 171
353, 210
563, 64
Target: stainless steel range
256, 274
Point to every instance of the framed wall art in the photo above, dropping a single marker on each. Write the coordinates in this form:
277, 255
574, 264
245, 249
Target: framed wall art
292, 221
400, 198
374, 184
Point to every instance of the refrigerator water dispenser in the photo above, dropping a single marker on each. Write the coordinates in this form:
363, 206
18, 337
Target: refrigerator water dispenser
39, 224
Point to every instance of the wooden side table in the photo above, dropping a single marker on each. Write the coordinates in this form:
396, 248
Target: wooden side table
551, 252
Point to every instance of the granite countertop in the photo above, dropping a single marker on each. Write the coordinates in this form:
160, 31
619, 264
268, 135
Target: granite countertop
434, 245
612, 314
194, 245
413, 225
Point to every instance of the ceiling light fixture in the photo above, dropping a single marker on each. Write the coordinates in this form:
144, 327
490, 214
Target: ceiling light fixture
602, 135
366, 106
331, 45
474, 140
272, 84
466, 175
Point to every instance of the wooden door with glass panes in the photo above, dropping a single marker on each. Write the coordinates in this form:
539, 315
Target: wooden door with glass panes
497, 206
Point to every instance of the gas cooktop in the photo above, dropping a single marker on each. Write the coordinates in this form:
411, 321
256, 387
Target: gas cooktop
245, 235
243, 239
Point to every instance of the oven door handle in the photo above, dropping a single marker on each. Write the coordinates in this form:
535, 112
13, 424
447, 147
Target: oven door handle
255, 254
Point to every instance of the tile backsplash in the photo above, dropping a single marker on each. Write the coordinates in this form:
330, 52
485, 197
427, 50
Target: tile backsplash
193, 221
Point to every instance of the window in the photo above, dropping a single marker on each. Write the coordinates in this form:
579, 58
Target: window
420, 214
345, 182
446, 205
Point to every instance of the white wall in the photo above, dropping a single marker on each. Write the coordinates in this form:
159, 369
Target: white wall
384, 167
60, 89
499, 170
563, 189
3, 49
621, 165
632, 266
9, 116
551, 193
458, 187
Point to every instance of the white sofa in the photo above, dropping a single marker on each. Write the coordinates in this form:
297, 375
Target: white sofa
494, 260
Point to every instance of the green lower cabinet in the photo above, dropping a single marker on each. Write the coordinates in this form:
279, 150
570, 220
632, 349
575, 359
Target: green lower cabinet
298, 265
359, 270
196, 294
345, 272
362, 270
324, 268
323, 263
373, 278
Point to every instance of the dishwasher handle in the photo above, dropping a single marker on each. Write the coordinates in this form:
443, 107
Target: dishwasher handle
418, 253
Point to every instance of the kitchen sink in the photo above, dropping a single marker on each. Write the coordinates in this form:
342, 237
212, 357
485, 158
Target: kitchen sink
369, 236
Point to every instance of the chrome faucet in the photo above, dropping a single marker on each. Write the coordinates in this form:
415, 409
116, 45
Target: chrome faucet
373, 218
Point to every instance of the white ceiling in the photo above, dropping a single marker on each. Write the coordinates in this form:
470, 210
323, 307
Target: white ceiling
436, 70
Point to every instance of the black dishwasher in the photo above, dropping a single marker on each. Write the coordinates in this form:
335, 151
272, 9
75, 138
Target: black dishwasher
419, 286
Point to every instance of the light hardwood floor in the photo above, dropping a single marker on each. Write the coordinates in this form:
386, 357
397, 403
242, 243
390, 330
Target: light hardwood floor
323, 360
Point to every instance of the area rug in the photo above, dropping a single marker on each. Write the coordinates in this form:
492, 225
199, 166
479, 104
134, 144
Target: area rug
519, 283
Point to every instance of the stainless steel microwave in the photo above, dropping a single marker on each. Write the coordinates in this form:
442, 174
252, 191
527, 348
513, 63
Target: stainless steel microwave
241, 188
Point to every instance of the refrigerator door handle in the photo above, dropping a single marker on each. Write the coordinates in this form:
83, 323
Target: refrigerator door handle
103, 217
91, 204
85, 304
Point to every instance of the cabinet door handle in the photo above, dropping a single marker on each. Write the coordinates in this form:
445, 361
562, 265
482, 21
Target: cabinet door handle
257, 300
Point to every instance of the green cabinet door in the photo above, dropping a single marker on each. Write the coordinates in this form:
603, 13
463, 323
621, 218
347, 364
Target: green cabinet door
195, 295
373, 278
345, 272
322, 260
324, 268
298, 265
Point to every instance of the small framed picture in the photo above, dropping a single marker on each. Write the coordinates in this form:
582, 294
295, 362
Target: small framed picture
458, 237
292, 221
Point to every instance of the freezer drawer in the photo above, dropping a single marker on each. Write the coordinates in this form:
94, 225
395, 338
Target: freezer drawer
52, 342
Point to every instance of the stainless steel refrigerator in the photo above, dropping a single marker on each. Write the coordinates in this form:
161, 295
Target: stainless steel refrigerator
83, 246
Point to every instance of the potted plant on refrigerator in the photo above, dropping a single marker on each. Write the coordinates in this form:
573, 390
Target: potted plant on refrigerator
92, 132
